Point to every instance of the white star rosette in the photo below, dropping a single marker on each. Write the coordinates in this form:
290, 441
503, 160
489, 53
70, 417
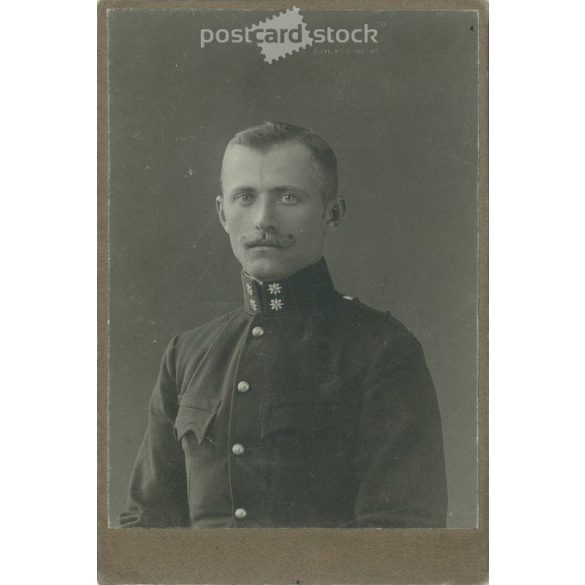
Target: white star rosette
276, 304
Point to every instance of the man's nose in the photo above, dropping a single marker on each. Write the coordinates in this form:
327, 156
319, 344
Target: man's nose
265, 216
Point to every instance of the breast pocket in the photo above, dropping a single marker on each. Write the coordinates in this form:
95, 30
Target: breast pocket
194, 416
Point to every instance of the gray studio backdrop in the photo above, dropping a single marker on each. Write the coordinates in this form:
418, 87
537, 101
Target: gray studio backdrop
403, 122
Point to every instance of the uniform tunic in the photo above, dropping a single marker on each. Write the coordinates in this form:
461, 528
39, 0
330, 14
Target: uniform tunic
302, 408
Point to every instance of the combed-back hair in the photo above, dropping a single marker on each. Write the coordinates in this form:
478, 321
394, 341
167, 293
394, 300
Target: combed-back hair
268, 134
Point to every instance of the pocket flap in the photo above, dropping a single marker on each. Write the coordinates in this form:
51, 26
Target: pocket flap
195, 414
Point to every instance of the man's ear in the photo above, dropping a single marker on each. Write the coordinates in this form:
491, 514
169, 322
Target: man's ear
334, 212
221, 212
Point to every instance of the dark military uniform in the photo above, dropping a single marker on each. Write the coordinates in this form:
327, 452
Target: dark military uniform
302, 408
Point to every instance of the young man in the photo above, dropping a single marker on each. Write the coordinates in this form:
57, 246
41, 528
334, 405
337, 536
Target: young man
303, 407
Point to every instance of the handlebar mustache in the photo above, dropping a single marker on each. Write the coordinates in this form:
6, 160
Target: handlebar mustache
271, 239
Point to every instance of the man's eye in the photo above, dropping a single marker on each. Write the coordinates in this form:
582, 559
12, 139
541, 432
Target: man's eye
244, 197
289, 198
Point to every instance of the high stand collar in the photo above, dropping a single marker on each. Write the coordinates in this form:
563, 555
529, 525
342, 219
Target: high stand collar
309, 288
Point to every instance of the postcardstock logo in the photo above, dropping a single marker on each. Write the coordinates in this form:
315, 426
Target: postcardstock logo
286, 33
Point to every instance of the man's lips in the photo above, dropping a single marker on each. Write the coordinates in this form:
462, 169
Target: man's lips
263, 244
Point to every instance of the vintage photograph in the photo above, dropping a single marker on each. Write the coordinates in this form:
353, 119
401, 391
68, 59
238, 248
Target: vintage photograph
293, 285
304, 405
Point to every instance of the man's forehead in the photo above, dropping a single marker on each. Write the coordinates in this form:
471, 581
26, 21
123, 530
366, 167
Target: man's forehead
289, 158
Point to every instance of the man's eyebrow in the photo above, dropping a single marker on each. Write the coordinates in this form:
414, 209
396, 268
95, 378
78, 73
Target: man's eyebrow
273, 191
242, 189
286, 189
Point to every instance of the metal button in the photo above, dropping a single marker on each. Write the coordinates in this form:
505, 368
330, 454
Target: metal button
240, 513
237, 449
243, 386
258, 331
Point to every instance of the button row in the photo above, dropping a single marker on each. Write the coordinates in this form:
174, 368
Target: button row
238, 449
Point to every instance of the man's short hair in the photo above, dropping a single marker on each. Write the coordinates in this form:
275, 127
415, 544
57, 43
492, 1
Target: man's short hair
268, 134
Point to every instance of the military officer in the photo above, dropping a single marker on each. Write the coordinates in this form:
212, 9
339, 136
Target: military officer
303, 407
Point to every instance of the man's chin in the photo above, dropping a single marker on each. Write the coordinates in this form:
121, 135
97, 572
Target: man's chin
267, 269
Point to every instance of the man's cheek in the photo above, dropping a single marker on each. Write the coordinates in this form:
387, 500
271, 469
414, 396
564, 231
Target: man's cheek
237, 248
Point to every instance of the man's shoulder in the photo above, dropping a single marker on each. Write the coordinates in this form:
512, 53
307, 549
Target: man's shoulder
377, 326
370, 317
380, 342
